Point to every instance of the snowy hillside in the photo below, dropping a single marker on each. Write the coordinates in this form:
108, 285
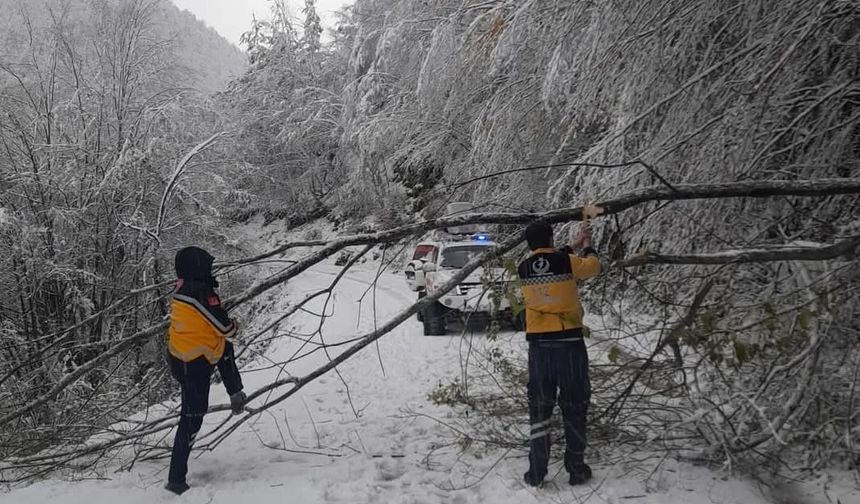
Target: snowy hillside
196, 56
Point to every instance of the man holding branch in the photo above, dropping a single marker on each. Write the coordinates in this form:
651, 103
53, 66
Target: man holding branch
558, 360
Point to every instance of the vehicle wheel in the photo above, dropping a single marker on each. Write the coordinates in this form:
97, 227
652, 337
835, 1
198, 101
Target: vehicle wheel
434, 320
420, 313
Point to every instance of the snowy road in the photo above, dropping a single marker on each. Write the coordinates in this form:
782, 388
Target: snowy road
357, 445
376, 455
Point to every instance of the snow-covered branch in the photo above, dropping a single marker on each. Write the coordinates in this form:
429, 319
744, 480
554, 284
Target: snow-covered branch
364, 340
756, 189
782, 253
751, 189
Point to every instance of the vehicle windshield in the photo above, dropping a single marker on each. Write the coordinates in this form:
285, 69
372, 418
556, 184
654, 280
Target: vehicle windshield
457, 257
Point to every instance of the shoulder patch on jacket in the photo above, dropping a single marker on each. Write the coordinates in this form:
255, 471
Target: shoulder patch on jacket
544, 264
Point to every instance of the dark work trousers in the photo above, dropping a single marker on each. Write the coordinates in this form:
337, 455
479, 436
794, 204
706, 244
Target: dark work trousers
194, 378
558, 368
228, 370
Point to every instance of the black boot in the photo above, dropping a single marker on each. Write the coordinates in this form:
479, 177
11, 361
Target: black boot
531, 479
177, 488
579, 474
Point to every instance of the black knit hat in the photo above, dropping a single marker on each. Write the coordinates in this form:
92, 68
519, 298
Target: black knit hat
194, 263
538, 234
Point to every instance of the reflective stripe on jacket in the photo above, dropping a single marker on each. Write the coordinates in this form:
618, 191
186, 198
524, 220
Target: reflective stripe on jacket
198, 324
550, 295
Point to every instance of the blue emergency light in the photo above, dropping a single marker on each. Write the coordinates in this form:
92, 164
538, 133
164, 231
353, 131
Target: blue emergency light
481, 237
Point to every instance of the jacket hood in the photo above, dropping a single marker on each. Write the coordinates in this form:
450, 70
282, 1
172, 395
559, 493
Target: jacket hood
194, 263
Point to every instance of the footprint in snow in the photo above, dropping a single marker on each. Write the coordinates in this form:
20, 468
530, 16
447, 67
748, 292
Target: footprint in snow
390, 470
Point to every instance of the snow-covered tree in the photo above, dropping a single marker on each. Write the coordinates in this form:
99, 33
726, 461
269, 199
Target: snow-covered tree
312, 28
90, 134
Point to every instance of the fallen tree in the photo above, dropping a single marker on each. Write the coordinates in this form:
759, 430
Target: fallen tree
70, 455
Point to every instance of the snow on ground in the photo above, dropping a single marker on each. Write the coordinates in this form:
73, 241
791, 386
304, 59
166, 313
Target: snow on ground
333, 444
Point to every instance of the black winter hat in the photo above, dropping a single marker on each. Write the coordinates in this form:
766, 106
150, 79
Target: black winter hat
194, 263
538, 234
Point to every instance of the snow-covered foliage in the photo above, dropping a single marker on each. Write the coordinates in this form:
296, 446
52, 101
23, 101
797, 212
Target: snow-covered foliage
518, 106
96, 114
421, 98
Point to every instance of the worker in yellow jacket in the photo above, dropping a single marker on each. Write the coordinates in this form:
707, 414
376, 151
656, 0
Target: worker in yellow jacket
558, 361
197, 343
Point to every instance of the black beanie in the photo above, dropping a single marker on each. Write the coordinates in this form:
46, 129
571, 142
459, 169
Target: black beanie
194, 263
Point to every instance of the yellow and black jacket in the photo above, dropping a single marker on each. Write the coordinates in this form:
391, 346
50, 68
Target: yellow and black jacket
550, 295
199, 325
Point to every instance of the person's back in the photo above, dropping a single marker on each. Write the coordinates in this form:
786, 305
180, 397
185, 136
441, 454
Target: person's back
199, 325
548, 277
197, 342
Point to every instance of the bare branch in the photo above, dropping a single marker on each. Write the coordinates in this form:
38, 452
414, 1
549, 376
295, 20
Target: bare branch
162, 208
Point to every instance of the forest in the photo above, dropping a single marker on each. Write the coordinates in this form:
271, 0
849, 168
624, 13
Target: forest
720, 139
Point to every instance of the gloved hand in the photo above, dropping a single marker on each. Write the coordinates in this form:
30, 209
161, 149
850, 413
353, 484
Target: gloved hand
237, 402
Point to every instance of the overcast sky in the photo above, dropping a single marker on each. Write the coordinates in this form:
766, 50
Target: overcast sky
233, 17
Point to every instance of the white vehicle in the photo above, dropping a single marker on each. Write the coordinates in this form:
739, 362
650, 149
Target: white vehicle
435, 261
